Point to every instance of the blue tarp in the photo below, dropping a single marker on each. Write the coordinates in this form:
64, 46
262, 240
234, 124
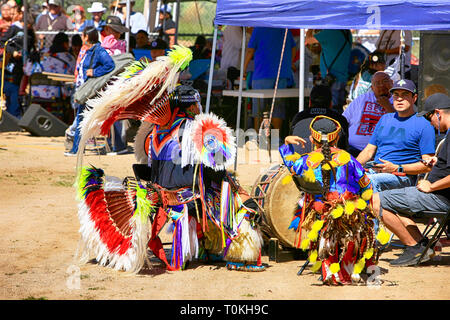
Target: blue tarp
336, 14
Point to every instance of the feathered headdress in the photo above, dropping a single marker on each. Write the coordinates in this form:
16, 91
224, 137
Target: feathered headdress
141, 92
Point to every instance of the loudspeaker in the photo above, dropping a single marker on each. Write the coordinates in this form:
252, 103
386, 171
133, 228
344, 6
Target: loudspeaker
40, 122
434, 66
9, 123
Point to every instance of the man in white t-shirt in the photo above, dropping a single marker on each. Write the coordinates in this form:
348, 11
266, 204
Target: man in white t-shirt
364, 112
232, 44
389, 43
137, 19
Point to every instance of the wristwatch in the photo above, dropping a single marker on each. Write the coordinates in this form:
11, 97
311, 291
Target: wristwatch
400, 168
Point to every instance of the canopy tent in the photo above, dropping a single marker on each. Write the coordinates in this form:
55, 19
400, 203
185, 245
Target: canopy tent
336, 14
325, 14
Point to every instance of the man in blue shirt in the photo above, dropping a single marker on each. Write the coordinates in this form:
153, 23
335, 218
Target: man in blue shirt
399, 143
97, 10
265, 46
334, 60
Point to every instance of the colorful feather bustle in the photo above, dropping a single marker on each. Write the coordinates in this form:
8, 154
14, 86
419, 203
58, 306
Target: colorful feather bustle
114, 222
140, 92
213, 141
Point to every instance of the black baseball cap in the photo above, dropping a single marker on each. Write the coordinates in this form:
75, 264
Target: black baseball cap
433, 102
404, 84
320, 96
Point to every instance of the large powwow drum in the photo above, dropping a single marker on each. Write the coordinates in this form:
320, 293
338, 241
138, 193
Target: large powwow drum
277, 196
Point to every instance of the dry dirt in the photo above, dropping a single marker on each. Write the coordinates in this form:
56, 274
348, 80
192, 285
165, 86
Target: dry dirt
38, 216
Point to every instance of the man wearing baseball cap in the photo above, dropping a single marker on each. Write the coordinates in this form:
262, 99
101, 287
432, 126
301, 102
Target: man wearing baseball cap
432, 194
399, 143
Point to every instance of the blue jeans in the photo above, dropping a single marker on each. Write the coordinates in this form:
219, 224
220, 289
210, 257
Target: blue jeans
260, 105
387, 181
11, 92
120, 141
338, 94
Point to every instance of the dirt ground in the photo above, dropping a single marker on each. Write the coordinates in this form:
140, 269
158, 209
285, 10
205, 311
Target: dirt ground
39, 223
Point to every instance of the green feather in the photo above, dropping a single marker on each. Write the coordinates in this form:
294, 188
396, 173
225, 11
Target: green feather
143, 206
180, 55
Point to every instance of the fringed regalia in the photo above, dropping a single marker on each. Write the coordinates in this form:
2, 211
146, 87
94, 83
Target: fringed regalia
336, 223
180, 178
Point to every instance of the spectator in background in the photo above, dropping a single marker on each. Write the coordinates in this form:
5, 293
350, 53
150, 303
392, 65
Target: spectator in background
200, 49
319, 105
57, 60
113, 31
75, 45
363, 80
334, 60
78, 17
114, 46
43, 12
14, 62
142, 40
54, 20
137, 19
166, 26
232, 45
94, 63
15, 10
389, 44
158, 48
399, 142
364, 112
6, 19
265, 46
97, 11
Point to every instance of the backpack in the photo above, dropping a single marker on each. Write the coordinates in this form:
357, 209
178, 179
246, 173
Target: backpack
93, 85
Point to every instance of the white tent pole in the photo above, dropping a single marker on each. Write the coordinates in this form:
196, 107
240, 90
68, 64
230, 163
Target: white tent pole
211, 70
127, 24
301, 83
241, 76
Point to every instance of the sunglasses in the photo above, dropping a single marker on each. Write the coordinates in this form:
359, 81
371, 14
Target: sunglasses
429, 115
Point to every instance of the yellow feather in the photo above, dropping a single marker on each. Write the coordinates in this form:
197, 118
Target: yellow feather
335, 267
293, 157
316, 266
287, 179
368, 254
305, 244
317, 225
361, 204
367, 195
359, 266
313, 256
337, 212
309, 175
383, 236
312, 235
349, 207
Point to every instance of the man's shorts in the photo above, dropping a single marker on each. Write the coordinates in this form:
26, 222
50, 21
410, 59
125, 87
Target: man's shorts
409, 201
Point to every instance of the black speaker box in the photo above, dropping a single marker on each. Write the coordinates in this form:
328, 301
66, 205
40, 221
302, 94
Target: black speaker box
40, 122
434, 67
9, 123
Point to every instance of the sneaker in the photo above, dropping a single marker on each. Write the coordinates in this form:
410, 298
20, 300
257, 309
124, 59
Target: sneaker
411, 255
115, 153
70, 154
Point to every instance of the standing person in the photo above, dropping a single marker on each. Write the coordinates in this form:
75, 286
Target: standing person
337, 196
232, 45
95, 62
137, 19
97, 10
265, 46
54, 20
44, 11
166, 27
396, 207
399, 142
365, 111
114, 46
78, 17
389, 43
6, 19
334, 60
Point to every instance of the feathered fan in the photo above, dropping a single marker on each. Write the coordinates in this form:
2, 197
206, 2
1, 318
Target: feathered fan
114, 220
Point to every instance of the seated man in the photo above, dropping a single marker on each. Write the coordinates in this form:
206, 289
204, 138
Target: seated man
431, 194
399, 143
365, 111
319, 105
